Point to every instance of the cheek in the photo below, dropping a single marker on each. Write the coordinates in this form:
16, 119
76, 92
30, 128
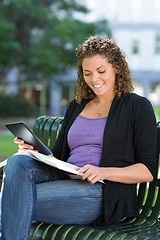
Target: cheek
87, 81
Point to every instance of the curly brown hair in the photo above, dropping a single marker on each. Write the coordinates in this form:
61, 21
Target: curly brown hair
107, 47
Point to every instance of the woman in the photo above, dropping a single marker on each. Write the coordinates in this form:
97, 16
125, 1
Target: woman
108, 132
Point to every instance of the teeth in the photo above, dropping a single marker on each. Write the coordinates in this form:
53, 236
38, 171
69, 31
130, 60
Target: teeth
97, 86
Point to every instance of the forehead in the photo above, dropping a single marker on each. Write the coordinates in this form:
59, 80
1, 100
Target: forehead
96, 60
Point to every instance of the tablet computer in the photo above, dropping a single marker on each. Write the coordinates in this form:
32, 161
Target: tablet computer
20, 130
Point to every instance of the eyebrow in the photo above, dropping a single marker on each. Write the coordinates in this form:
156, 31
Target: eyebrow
89, 70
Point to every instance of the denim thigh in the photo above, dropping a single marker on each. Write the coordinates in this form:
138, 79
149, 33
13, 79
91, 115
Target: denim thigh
68, 202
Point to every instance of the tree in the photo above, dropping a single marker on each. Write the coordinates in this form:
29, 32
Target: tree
8, 46
40, 36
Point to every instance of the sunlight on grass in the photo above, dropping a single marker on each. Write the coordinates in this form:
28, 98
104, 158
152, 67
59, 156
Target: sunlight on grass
7, 146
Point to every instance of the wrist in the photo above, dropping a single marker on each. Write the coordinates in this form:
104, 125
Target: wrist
111, 174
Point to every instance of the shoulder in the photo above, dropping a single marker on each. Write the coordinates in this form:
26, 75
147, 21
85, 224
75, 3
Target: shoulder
136, 101
132, 102
137, 98
74, 106
135, 106
134, 98
141, 103
141, 108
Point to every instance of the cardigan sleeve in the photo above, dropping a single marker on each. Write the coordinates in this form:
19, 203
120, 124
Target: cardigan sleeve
145, 134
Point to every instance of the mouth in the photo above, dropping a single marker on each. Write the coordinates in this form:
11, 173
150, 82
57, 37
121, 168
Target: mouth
98, 86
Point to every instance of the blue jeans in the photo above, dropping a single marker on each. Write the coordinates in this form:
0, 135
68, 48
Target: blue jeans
35, 191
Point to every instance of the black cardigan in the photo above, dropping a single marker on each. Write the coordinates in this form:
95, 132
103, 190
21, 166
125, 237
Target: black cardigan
130, 137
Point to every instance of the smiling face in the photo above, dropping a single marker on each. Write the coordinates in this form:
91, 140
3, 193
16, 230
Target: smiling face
99, 75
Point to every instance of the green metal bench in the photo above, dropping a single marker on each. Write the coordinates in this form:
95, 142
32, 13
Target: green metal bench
147, 226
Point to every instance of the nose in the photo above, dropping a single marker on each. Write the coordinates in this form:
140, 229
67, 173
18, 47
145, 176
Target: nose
95, 77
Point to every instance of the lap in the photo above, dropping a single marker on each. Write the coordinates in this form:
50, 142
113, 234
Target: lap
67, 188
68, 202
40, 172
60, 200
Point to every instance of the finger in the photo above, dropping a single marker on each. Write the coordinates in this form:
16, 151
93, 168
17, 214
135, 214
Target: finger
77, 168
21, 150
22, 144
25, 146
91, 178
94, 180
25, 149
83, 169
17, 140
88, 175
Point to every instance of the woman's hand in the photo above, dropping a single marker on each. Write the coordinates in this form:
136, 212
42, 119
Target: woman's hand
91, 173
132, 174
23, 146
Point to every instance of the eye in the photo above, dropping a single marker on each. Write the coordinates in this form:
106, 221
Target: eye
102, 72
86, 74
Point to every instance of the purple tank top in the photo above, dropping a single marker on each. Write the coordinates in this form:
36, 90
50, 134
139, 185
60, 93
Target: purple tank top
85, 139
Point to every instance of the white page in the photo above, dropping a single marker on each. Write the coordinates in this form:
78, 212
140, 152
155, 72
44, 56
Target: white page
54, 162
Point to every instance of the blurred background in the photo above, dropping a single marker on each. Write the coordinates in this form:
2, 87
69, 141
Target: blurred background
37, 52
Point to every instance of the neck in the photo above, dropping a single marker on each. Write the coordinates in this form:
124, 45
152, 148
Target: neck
101, 100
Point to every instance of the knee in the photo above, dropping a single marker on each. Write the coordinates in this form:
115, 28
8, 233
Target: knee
16, 161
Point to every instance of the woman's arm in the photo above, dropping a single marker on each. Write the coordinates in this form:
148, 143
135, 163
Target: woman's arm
135, 173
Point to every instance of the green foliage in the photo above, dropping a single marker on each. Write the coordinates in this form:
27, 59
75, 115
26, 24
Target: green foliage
40, 36
14, 106
8, 46
157, 112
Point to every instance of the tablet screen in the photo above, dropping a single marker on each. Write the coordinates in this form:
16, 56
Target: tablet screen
20, 130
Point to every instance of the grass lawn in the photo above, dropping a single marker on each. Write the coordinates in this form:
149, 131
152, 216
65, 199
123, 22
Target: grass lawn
7, 146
